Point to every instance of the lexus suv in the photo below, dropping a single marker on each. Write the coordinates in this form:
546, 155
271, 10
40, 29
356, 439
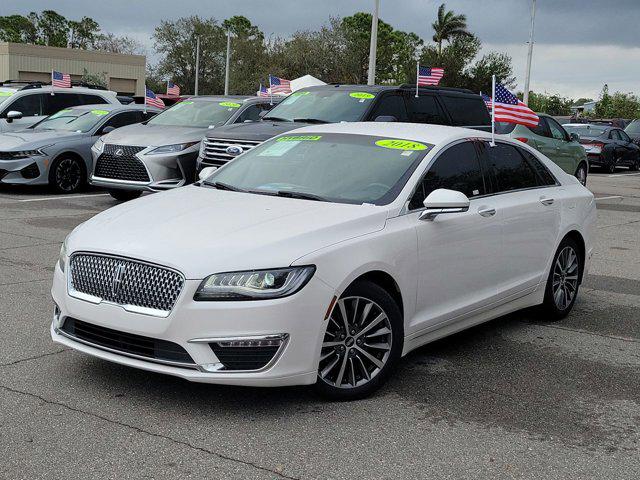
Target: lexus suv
161, 154
348, 103
24, 103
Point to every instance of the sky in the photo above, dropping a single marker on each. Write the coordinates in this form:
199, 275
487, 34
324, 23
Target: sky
578, 46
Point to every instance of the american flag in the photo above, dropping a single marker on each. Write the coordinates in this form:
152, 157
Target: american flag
173, 89
429, 75
279, 85
59, 79
511, 110
263, 91
487, 100
151, 99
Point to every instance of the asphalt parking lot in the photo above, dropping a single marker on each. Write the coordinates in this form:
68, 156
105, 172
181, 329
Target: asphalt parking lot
514, 398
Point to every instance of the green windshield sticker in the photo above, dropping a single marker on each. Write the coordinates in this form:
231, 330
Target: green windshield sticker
362, 95
406, 145
6, 94
299, 138
299, 94
98, 112
187, 102
60, 113
229, 104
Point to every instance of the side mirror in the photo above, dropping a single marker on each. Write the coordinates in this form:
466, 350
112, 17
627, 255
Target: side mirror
385, 118
107, 129
574, 137
442, 201
13, 115
206, 172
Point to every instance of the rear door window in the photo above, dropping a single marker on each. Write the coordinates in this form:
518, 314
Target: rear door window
557, 131
466, 111
509, 168
613, 135
122, 119
457, 168
91, 99
391, 105
426, 109
623, 136
60, 101
541, 129
28, 105
546, 178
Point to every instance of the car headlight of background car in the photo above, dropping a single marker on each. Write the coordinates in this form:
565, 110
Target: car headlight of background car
26, 153
63, 258
178, 147
254, 284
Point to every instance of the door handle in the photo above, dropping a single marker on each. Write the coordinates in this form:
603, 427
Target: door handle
487, 212
547, 201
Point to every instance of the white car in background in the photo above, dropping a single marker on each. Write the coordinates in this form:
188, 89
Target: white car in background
324, 255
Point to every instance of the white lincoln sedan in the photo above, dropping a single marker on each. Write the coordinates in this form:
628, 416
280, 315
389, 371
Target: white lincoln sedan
324, 255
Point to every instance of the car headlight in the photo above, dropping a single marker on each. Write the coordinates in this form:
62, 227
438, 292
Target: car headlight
27, 153
63, 258
178, 147
254, 284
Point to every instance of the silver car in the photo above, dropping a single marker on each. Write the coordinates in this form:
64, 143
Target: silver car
57, 150
161, 154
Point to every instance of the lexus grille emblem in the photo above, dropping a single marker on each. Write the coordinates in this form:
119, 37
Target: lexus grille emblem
234, 150
119, 152
117, 279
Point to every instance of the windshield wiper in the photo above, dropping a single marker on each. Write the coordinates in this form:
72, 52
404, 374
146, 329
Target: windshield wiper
301, 195
277, 119
224, 186
309, 120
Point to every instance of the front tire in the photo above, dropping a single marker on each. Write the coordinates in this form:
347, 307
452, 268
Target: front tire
67, 175
581, 174
563, 281
636, 164
362, 344
125, 195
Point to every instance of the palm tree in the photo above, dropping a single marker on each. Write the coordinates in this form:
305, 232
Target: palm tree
448, 26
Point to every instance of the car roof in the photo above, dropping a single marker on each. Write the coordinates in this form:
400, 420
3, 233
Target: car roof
114, 107
384, 88
245, 99
434, 134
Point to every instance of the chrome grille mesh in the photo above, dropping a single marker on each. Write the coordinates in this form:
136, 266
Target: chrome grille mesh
125, 282
215, 150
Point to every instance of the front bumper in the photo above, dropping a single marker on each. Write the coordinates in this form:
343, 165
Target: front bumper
25, 171
191, 325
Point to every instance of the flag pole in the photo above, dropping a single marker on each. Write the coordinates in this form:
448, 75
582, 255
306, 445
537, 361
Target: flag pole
417, 75
493, 110
145, 98
52, 83
270, 91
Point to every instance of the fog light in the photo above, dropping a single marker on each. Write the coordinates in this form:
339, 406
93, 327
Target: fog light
252, 343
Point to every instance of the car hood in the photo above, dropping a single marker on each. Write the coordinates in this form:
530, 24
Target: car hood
31, 139
200, 230
258, 131
154, 135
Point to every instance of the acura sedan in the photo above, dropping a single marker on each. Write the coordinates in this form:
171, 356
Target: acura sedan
324, 255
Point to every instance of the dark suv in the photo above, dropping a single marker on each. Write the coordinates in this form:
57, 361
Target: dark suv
347, 103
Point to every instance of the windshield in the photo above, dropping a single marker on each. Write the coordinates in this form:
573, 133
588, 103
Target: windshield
192, 113
325, 105
586, 130
633, 128
72, 120
333, 167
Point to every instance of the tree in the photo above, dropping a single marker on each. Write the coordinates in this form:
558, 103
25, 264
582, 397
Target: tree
84, 33
95, 78
448, 26
603, 107
478, 77
108, 42
52, 28
18, 29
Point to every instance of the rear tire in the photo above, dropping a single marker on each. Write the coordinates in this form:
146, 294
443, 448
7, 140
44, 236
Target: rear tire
67, 175
125, 195
581, 174
636, 164
362, 344
563, 282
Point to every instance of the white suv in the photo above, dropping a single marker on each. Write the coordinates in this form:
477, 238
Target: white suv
22, 103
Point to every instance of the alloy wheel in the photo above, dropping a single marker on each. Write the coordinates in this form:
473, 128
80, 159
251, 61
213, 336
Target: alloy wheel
581, 175
357, 343
565, 278
68, 175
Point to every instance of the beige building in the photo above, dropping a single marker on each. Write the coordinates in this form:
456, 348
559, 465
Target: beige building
125, 73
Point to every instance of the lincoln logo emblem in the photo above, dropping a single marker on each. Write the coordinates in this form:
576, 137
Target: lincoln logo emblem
117, 279
234, 150
119, 152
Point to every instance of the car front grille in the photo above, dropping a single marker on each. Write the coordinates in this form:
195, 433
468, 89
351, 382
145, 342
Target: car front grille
137, 286
119, 162
215, 150
127, 343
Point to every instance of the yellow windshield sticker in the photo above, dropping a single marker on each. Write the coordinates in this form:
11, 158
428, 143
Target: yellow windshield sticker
396, 144
229, 104
6, 94
300, 138
98, 112
362, 95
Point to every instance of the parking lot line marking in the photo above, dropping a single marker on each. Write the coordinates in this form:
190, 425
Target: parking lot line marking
623, 174
612, 197
64, 197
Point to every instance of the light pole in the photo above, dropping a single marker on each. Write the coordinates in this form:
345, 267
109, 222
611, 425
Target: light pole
525, 96
197, 64
373, 47
226, 70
